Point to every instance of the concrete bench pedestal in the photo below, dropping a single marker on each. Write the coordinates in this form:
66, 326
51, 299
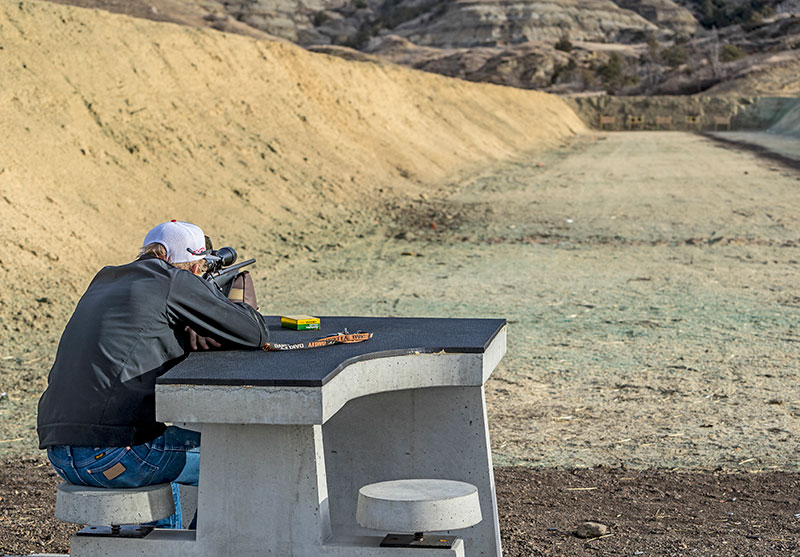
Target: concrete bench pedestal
111, 511
418, 506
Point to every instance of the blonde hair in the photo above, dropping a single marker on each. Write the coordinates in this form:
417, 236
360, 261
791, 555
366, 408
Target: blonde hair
158, 250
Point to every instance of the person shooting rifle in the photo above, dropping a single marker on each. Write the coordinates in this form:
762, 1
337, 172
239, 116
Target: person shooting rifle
136, 321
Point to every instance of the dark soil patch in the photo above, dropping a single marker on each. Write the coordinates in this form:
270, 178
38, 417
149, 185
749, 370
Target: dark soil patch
648, 512
27, 502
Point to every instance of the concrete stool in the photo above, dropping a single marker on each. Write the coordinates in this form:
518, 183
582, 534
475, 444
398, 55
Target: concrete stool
114, 507
418, 506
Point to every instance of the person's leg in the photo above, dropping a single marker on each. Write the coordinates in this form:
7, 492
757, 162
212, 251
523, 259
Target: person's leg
190, 475
181, 454
173, 457
176, 455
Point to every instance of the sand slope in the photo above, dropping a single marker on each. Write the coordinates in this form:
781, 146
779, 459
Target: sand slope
111, 124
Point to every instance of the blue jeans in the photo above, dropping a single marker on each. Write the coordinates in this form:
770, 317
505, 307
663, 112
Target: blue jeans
173, 457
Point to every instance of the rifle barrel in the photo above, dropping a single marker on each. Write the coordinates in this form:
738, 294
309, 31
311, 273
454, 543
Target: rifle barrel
232, 268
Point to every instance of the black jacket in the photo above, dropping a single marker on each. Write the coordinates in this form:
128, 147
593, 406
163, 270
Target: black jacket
127, 330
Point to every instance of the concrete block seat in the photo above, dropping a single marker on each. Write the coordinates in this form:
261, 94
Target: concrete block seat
417, 506
113, 507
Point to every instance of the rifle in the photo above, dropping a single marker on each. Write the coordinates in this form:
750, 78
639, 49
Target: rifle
221, 269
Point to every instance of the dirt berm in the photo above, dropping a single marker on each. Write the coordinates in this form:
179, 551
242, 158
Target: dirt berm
110, 125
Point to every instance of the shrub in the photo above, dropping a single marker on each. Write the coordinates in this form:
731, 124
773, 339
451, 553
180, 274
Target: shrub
753, 22
731, 52
564, 44
394, 12
652, 46
613, 74
320, 18
563, 71
362, 37
588, 78
675, 55
721, 13
611, 71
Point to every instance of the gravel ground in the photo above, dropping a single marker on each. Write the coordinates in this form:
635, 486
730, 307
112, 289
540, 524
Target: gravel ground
649, 280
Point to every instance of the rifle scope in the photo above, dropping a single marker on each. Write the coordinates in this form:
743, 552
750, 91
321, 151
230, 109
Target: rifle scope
220, 258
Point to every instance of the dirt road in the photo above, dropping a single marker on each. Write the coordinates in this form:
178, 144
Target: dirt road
650, 282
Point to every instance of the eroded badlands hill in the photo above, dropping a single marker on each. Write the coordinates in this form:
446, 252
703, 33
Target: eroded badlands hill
462, 23
111, 124
628, 47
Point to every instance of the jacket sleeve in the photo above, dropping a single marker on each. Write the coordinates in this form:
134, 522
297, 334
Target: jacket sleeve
197, 303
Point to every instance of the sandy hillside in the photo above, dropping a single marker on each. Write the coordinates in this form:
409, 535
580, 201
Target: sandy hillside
112, 124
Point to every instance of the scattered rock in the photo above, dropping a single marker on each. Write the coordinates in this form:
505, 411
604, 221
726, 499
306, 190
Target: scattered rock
591, 530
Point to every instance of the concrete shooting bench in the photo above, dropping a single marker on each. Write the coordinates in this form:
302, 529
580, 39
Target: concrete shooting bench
325, 451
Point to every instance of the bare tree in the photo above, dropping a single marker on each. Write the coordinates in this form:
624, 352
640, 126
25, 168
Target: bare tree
716, 67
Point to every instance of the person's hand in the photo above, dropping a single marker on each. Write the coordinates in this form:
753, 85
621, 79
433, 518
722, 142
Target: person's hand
204, 343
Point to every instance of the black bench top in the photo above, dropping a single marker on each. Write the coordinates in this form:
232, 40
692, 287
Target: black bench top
393, 336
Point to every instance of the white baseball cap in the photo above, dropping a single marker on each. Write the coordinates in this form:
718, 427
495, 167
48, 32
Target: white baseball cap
183, 241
